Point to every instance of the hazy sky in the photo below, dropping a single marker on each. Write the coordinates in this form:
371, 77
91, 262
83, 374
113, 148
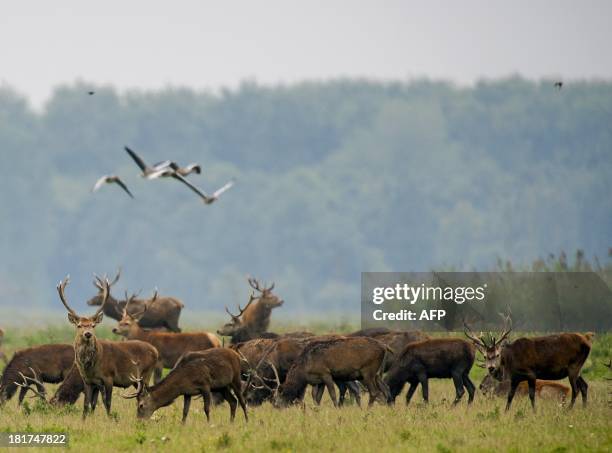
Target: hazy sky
209, 44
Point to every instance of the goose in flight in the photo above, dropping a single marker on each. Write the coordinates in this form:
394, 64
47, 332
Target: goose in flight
169, 172
146, 170
110, 179
172, 168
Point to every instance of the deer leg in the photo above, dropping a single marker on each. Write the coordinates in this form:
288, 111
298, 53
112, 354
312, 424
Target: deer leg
573, 378
207, 397
370, 383
88, 390
22, 394
95, 390
469, 385
237, 386
459, 391
353, 388
108, 397
186, 404
531, 382
232, 402
317, 393
424, 387
411, 390
514, 382
341, 392
584, 388
331, 388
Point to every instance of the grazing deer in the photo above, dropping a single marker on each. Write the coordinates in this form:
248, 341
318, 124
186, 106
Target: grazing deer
70, 389
550, 357
105, 364
253, 320
162, 313
552, 389
434, 358
170, 346
196, 373
49, 363
335, 359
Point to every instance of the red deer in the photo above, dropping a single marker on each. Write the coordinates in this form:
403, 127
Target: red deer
49, 363
550, 357
333, 360
105, 364
253, 320
70, 389
170, 346
162, 313
196, 373
552, 389
397, 341
435, 358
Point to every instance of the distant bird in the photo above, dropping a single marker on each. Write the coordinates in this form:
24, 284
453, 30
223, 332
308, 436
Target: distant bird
91, 93
210, 199
183, 171
110, 179
146, 170
558, 85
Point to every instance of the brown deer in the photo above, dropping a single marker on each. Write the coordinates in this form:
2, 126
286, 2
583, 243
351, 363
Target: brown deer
105, 364
551, 389
335, 359
196, 373
254, 319
162, 313
550, 357
70, 389
49, 363
434, 358
170, 346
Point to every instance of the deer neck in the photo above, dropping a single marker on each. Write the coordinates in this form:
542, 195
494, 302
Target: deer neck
138, 333
165, 392
87, 356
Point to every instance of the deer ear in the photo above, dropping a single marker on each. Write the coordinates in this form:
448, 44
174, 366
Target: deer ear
73, 319
98, 318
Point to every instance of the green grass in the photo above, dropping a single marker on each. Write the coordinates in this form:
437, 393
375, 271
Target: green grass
437, 427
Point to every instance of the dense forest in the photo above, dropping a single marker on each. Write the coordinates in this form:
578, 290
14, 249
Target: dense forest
332, 179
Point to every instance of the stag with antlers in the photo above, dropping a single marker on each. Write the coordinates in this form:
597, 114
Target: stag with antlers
253, 320
105, 364
488, 344
162, 312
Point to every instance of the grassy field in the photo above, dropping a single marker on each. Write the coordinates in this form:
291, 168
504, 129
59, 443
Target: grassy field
436, 427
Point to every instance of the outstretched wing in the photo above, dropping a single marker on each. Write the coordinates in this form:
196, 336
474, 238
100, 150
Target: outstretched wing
123, 186
226, 187
191, 186
136, 158
100, 182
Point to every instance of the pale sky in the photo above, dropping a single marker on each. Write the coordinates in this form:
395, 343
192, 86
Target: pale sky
212, 44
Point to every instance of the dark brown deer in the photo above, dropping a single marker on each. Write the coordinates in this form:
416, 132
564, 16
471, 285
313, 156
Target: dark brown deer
434, 358
70, 389
551, 357
397, 341
336, 359
545, 389
105, 364
196, 373
170, 346
162, 312
49, 363
253, 320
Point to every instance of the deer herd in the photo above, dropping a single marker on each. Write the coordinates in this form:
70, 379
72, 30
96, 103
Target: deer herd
260, 366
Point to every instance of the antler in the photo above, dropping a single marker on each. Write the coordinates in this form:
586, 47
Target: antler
468, 333
105, 293
137, 379
128, 300
252, 297
28, 386
116, 279
61, 286
507, 326
256, 285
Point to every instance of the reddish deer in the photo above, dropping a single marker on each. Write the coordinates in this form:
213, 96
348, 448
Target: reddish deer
162, 313
49, 363
170, 346
550, 357
335, 359
545, 389
70, 389
253, 320
196, 373
435, 358
105, 364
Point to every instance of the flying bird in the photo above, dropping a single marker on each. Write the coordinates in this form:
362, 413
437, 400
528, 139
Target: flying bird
558, 85
169, 172
173, 167
147, 171
91, 93
110, 179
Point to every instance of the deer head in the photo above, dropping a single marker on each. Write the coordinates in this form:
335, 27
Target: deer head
97, 299
236, 323
85, 325
129, 321
490, 346
145, 407
266, 297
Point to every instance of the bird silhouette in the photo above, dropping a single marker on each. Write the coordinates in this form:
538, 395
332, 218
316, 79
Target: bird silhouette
110, 179
558, 85
146, 170
91, 93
